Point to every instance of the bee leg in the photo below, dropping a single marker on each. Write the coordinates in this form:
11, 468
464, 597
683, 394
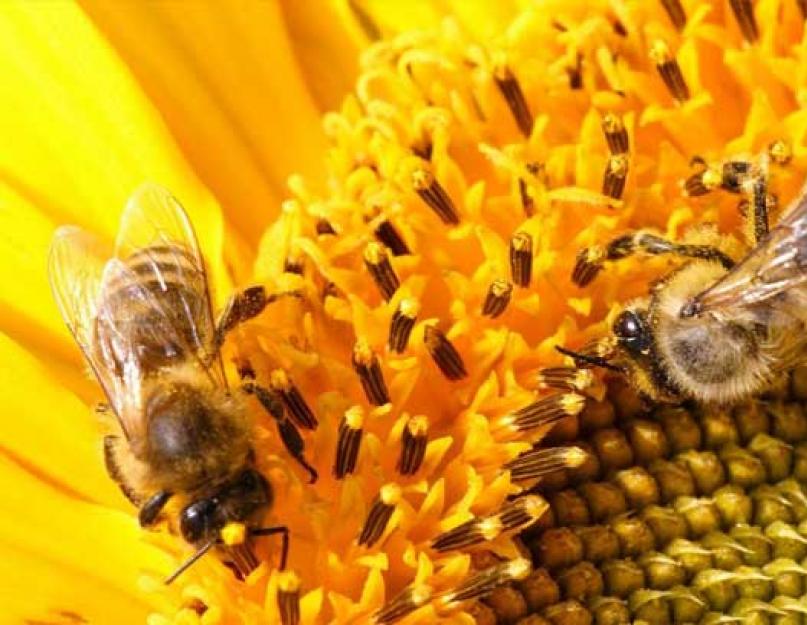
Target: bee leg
289, 433
759, 201
152, 507
590, 260
284, 538
245, 305
113, 470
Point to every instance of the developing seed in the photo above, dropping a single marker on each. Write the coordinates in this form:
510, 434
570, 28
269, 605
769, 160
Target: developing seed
673, 478
582, 582
770, 506
666, 524
751, 419
649, 606
612, 448
648, 441
757, 545
743, 468
727, 553
570, 508
507, 603
559, 547
622, 577
662, 571
683, 433
610, 611
692, 556
706, 469
701, 514
775, 455
600, 542
639, 486
635, 537
717, 587
604, 500
733, 504
539, 590
718, 430
568, 613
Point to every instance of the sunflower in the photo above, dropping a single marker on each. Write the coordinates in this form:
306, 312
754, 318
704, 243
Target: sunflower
471, 150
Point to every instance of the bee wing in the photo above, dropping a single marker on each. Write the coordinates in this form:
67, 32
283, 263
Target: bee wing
78, 269
156, 231
776, 265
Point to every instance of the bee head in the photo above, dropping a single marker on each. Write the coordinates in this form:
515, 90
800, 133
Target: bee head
632, 331
236, 500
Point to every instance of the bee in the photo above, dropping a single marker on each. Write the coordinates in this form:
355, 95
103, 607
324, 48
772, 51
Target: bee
142, 315
713, 330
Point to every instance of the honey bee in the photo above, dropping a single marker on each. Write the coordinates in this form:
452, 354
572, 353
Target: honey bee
141, 314
712, 330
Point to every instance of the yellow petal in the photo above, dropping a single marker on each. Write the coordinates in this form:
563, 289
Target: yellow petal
227, 86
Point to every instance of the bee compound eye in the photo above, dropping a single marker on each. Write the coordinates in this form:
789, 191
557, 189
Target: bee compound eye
197, 521
628, 325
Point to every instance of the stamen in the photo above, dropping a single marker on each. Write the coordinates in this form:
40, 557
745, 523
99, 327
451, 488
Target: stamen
669, 70
413, 445
565, 378
484, 582
515, 514
675, 12
324, 227
521, 258
298, 409
703, 182
536, 463
544, 412
803, 8
433, 193
575, 73
348, 443
616, 172
527, 202
377, 262
288, 598
780, 151
403, 320
497, 299
379, 515
368, 368
406, 602
444, 354
615, 134
389, 236
588, 264
293, 265
514, 96
744, 14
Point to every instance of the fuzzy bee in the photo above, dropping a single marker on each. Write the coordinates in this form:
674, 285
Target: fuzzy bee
142, 316
712, 330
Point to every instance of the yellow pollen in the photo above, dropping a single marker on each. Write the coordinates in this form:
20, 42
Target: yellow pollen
575, 456
422, 179
490, 528
780, 152
233, 533
390, 494
534, 506
375, 253
660, 52
409, 307
572, 403
279, 380
518, 568
363, 352
612, 123
288, 581
418, 426
618, 165
354, 417
712, 178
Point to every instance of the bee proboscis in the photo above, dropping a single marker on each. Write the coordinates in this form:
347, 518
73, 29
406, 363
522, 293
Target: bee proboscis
142, 315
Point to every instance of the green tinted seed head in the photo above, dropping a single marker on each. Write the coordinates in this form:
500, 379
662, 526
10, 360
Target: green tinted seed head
604, 500
635, 537
751, 419
751, 583
718, 429
582, 582
701, 514
622, 577
612, 448
787, 541
742, 467
788, 577
570, 508
788, 421
717, 587
734, 505
568, 613
639, 487
662, 572
648, 441
539, 589
757, 545
665, 523
651, 606
727, 553
692, 556
674, 479
600, 542
680, 427
770, 506
706, 469
610, 611
775, 454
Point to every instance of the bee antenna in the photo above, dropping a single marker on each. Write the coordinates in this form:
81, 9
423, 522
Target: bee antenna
597, 361
190, 561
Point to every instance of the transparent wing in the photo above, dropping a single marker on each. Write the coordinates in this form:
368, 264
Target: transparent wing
776, 265
77, 266
157, 240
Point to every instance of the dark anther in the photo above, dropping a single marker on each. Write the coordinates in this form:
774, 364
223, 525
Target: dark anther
669, 70
744, 14
615, 133
433, 193
379, 515
377, 262
288, 598
444, 354
293, 400
675, 12
349, 442
413, 445
391, 238
514, 96
616, 172
521, 258
368, 368
403, 320
497, 298
324, 227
